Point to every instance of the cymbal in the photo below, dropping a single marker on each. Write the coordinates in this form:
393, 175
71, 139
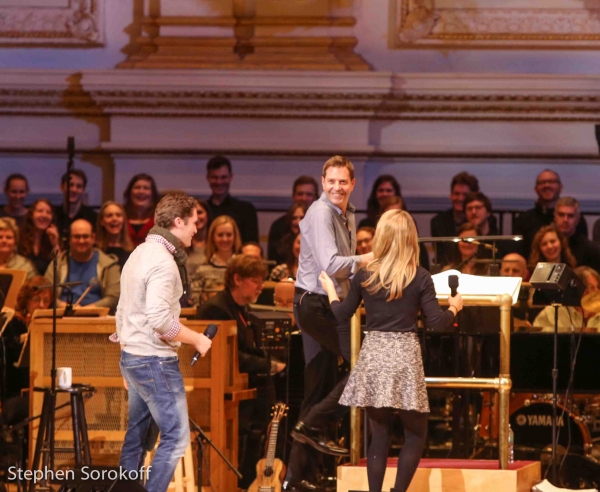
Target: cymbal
591, 302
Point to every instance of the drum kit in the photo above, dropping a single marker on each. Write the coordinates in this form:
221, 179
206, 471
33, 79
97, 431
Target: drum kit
531, 422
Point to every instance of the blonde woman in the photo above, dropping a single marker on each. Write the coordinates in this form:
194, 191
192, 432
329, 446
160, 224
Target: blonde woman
223, 242
388, 376
9, 237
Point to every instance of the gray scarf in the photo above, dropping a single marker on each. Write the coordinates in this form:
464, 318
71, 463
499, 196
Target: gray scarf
180, 255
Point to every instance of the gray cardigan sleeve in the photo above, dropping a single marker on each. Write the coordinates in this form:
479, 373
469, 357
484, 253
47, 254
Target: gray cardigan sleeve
111, 288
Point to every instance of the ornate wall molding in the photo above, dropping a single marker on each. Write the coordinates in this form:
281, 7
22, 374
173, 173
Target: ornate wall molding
326, 96
539, 24
78, 23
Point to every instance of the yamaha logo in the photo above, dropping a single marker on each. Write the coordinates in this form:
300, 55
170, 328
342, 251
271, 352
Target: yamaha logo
538, 420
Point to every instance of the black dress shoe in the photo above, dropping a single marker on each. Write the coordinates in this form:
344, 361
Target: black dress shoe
303, 486
307, 435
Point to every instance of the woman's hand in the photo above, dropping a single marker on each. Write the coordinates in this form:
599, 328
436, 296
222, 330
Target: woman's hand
456, 302
53, 235
326, 283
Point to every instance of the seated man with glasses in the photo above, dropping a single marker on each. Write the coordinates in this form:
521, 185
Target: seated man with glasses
478, 209
548, 188
243, 284
98, 272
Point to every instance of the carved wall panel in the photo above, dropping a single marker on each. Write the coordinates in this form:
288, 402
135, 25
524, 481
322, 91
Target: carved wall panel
553, 24
249, 34
51, 22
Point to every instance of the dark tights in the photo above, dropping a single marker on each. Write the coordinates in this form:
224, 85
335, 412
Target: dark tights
415, 431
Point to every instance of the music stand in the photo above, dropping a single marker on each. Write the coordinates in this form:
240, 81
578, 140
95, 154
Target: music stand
11, 281
561, 287
10, 284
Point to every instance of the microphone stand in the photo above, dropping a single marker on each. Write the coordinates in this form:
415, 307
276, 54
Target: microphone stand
202, 438
53, 366
435, 266
69, 308
554, 392
67, 243
49, 406
494, 266
465, 261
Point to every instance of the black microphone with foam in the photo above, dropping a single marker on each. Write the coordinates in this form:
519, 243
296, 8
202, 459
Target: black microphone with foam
210, 332
453, 284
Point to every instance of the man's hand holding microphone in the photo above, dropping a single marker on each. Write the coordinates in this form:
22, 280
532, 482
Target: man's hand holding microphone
204, 342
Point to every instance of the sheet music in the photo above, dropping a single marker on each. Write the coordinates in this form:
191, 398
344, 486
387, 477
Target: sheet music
477, 285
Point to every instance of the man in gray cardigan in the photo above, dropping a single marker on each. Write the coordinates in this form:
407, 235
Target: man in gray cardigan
98, 272
149, 331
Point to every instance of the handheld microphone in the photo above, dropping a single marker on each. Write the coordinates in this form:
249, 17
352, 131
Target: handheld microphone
210, 332
453, 284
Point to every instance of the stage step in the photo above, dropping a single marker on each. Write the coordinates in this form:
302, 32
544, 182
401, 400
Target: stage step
446, 475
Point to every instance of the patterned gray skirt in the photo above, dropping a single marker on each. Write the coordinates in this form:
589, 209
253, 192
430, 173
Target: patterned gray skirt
388, 373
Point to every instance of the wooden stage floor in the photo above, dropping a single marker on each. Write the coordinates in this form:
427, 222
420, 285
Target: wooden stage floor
445, 475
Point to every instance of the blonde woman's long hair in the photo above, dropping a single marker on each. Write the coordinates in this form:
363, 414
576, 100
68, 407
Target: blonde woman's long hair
211, 247
396, 252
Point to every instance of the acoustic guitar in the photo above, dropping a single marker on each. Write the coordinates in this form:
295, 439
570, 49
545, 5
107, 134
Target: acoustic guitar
270, 469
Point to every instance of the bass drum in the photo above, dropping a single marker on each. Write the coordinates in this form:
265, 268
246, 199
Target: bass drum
532, 427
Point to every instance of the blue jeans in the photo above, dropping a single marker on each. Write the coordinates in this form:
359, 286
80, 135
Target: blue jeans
156, 392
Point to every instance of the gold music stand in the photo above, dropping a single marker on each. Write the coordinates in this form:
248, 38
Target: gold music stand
476, 291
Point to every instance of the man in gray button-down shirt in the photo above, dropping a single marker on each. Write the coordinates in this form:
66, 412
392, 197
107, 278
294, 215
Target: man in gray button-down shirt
328, 243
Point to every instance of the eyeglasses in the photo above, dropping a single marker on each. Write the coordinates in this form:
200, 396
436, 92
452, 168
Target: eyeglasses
79, 237
547, 182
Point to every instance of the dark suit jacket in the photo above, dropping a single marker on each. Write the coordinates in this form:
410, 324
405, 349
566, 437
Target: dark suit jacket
252, 359
443, 225
279, 229
63, 222
585, 251
529, 222
242, 212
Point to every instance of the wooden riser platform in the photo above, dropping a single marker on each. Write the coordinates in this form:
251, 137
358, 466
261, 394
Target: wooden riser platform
445, 475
